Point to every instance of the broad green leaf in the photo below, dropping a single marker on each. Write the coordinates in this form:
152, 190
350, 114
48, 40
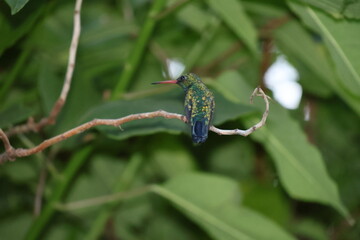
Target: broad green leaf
13, 227
213, 203
10, 34
16, 5
171, 102
76, 106
75, 162
98, 181
352, 9
14, 114
341, 38
233, 14
300, 165
314, 64
337, 8
64, 229
50, 85
265, 10
307, 56
239, 155
310, 229
22, 171
336, 131
194, 17
268, 199
166, 227
132, 215
331, 6
202, 45
169, 156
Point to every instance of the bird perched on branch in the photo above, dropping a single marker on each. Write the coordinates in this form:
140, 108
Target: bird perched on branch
199, 105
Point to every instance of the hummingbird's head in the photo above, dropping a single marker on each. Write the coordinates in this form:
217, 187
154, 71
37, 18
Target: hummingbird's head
185, 81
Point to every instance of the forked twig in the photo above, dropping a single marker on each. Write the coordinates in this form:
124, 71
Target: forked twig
11, 153
257, 92
31, 125
8, 148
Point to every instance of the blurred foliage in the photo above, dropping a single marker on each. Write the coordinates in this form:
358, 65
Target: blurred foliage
296, 178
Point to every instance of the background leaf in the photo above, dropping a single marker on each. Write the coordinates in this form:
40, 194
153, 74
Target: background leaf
233, 14
215, 208
272, 181
16, 5
341, 48
337, 8
14, 114
301, 168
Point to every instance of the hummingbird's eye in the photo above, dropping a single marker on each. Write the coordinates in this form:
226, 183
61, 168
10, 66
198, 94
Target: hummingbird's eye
181, 78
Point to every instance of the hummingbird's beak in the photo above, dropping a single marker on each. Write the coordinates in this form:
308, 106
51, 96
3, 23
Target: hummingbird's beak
167, 81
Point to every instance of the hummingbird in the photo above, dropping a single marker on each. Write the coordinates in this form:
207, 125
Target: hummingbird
199, 105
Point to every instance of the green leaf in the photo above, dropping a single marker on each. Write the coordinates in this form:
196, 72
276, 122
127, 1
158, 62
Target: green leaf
75, 162
166, 228
314, 64
341, 38
300, 165
307, 56
194, 17
310, 229
233, 14
169, 156
22, 171
212, 202
99, 180
352, 9
49, 85
337, 139
10, 227
16, 5
337, 8
171, 102
10, 34
14, 114
239, 154
268, 199
76, 107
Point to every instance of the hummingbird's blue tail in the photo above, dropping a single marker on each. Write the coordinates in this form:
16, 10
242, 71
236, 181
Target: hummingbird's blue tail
199, 131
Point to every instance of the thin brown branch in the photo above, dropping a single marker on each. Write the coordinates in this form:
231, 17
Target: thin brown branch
40, 190
51, 119
7, 145
20, 152
11, 153
273, 24
257, 92
267, 46
128, 11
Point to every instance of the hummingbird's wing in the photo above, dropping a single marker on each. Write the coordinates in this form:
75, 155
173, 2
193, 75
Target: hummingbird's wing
188, 110
198, 117
212, 110
198, 123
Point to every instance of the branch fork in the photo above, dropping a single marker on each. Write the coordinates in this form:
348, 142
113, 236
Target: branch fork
31, 125
11, 153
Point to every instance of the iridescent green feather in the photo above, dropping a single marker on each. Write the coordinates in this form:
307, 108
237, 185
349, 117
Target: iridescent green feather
199, 106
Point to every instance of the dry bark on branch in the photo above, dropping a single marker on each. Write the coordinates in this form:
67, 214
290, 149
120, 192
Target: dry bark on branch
11, 153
